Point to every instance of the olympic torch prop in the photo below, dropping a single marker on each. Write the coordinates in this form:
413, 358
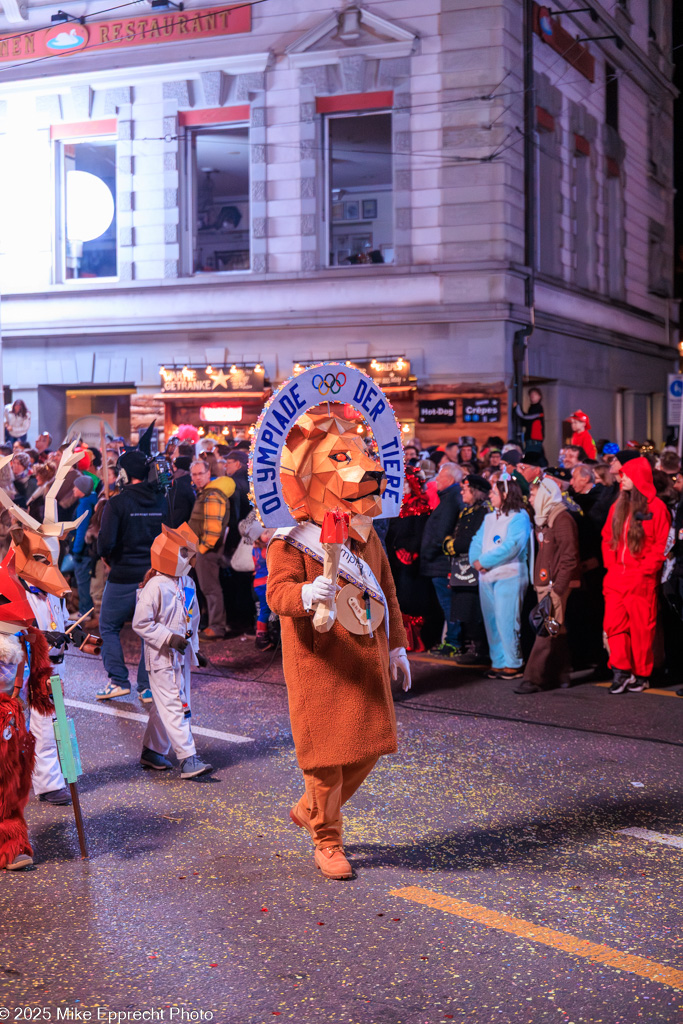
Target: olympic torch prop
69, 756
334, 532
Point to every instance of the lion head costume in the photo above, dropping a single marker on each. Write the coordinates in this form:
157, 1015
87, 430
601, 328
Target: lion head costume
325, 466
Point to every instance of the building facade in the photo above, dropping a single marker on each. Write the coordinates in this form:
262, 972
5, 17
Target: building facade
196, 202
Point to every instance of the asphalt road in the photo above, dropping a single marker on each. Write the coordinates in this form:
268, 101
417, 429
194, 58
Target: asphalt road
494, 879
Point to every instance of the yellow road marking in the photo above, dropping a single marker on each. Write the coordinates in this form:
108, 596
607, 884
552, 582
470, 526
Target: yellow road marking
547, 936
652, 689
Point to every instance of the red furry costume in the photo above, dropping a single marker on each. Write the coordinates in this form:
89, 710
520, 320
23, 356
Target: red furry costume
17, 746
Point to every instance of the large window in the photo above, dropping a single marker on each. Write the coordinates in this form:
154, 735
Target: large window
549, 203
219, 202
88, 209
360, 182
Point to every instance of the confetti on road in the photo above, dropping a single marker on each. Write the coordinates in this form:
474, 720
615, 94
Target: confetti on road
548, 936
653, 837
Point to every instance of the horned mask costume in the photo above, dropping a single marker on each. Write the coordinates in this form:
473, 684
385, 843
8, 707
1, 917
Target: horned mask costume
36, 545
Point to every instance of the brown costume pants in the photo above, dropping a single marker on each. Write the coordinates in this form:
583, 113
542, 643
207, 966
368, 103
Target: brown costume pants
548, 665
326, 790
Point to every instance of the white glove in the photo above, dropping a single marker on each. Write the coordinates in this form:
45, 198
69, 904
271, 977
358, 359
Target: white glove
398, 659
321, 589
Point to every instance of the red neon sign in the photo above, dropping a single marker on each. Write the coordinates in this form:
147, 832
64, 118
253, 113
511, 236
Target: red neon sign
220, 413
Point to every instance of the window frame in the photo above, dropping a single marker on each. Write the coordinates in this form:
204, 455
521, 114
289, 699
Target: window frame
187, 211
327, 183
59, 238
583, 173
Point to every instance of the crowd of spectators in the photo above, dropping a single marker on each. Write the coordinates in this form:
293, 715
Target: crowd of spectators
535, 573
545, 574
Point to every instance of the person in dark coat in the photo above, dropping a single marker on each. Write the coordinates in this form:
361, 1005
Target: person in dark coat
403, 543
181, 494
465, 604
434, 562
672, 594
131, 521
237, 586
586, 607
556, 572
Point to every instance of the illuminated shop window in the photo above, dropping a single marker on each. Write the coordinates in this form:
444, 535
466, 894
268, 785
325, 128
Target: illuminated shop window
88, 228
218, 208
360, 189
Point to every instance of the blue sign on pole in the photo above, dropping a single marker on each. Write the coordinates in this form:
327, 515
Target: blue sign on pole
325, 382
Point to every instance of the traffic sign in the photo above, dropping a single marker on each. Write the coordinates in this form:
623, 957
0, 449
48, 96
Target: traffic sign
674, 395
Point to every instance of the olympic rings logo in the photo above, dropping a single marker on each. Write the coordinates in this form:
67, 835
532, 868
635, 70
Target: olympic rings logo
330, 384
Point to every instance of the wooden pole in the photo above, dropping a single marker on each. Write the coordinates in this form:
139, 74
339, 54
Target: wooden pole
76, 623
79, 820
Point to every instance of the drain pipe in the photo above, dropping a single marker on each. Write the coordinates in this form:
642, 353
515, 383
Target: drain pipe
519, 344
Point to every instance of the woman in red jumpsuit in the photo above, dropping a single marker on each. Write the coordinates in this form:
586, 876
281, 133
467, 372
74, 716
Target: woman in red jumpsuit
633, 543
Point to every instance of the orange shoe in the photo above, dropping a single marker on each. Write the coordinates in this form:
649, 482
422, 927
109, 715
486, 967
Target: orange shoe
301, 817
332, 862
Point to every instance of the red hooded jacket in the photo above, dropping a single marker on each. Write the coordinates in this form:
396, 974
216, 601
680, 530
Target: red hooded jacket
651, 558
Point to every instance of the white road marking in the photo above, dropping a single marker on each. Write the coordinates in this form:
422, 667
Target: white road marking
653, 837
229, 737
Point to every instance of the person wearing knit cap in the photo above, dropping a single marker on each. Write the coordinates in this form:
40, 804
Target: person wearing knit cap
581, 426
633, 544
84, 491
512, 459
181, 494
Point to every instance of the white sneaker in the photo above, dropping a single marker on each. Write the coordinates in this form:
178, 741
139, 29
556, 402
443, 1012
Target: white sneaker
194, 766
637, 684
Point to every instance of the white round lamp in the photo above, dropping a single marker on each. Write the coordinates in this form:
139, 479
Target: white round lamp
89, 206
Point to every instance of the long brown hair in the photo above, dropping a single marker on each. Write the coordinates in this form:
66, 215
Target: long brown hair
629, 504
513, 499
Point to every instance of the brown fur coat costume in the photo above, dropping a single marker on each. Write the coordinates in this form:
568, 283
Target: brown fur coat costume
340, 702
17, 745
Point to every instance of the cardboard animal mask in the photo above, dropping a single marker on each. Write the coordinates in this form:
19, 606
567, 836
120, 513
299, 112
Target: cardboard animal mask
174, 551
37, 561
325, 466
36, 545
15, 610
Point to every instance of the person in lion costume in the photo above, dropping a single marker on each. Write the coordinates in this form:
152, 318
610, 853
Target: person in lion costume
338, 670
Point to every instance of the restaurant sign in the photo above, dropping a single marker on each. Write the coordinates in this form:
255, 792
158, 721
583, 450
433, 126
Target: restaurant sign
70, 37
436, 410
211, 379
481, 410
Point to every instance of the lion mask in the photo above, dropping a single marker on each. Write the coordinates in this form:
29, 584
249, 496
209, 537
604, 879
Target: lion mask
325, 466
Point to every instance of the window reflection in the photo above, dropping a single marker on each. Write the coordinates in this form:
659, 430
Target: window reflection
89, 225
360, 173
220, 162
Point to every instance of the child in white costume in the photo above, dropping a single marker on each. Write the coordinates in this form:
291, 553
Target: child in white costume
47, 779
167, 619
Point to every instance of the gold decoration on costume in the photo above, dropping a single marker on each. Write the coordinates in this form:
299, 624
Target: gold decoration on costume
352, 614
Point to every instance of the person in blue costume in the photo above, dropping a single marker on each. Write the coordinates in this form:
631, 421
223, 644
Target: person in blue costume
500, 553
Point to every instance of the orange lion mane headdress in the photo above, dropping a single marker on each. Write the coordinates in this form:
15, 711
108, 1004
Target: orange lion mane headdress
325, 466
